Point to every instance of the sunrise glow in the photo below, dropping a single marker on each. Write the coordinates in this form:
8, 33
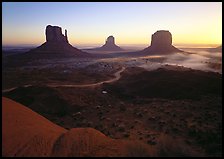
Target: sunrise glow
131, 23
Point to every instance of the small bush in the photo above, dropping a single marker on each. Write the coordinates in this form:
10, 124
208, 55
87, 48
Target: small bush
138, 149
170, 147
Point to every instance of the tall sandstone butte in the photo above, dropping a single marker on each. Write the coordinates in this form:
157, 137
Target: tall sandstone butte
109, 45
54, 34
161, 38
110, 41
161, 43
56, 43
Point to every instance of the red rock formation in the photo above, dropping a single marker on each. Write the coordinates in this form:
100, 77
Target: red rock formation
161, 43
110, 41
28, 134
161, 38
54, 34
56, 42
109, 45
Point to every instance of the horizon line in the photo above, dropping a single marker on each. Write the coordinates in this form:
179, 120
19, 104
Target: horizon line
124, 44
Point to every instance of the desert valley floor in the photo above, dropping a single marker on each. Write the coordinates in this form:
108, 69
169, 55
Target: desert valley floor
173, 109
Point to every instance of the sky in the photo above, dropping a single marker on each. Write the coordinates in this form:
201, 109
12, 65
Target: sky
131, 23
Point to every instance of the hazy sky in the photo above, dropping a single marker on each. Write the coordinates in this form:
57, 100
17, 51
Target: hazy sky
128, 22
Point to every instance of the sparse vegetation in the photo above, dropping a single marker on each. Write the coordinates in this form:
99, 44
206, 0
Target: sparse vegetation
172, 147
138, 149
135, 117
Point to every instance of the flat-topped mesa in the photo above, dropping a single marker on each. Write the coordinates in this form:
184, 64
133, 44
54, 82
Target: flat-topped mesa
54, 34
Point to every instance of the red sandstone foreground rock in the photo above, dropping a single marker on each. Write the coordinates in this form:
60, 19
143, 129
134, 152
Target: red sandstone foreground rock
26, 133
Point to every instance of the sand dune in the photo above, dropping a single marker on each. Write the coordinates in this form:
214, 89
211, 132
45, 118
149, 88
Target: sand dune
26, 133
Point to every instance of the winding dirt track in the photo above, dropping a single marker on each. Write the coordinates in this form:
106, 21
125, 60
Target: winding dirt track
116, 74
117, 77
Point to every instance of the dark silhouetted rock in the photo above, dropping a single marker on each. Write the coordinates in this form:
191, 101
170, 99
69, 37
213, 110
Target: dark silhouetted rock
108, 46
110, 41
161, 43
161, 39
54, 34
56, 43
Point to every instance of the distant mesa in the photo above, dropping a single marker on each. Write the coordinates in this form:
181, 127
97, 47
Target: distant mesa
161, 43
56, 42
109, 45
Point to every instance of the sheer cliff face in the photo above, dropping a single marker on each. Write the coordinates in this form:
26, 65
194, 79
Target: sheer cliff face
56, 43
161, 39
110, 41
161, 43
54, 34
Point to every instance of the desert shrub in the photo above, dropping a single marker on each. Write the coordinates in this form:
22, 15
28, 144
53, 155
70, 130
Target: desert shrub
209, 140
122, 108
138, 149
26, 100
169, 147
126, 134
167, 84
